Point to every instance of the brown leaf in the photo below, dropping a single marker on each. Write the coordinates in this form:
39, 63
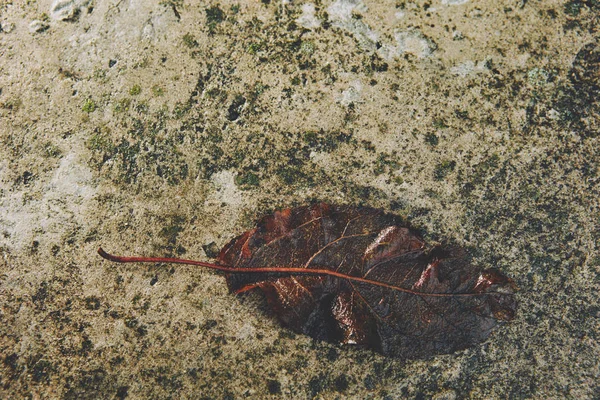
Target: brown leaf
359, 276
367, 243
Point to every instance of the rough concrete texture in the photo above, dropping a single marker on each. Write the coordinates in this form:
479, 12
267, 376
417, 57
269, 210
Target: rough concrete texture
168, 128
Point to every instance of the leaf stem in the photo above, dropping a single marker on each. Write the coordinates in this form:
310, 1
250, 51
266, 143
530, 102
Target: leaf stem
277, 270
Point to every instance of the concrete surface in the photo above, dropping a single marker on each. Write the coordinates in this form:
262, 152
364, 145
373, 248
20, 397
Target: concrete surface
168, 128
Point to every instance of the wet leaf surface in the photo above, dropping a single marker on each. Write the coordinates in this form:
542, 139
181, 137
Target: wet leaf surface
367, 243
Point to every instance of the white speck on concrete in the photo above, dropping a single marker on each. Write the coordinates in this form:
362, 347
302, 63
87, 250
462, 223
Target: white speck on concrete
342, 10
468, 68
227, 191
351, 95
71, 180
247, 331
411, 42
37, 26
45, 213
308, 19
414, 42
553, 114
147, 33
341, 14
457, 35
454, 2
64, 10
538, 76
7, 27
399, 14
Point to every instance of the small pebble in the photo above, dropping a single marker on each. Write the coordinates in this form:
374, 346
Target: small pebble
64, 10
37, 26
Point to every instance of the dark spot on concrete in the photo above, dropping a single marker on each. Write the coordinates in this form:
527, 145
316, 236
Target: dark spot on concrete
190, 41
86, 346
286, 334
573, 7
325, 141
461, 114
585, 72
88, 385
25, 178
192, 373
273, 386
235, 109
40, 296
247, 179
341, 383
316, 385
443, 169
141, 330
131, 323
378, 65
228, 395
432, 139
92, 303
420, 396
214, 16
369, 382
122, 392
41, 370
577, 101
118, 360
292, 175
189, 326
209, 324
12, 371
211, 250
332, 354
173, 226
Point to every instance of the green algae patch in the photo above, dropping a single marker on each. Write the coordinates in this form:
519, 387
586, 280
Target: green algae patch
443, 169
135, 90
89, 106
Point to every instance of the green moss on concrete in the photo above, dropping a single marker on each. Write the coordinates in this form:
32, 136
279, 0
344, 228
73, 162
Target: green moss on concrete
246, 180
89, 106
135, 90
122, 105
443, 169
189, 40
